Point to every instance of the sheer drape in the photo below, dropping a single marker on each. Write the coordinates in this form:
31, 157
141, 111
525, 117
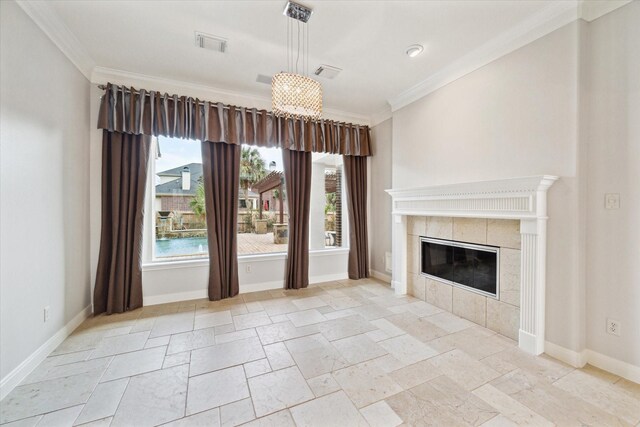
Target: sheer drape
221, 173
356, 176
297, 177
118, 286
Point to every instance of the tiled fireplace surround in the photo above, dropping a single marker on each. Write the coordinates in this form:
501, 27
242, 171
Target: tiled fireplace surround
503, 315
510, 213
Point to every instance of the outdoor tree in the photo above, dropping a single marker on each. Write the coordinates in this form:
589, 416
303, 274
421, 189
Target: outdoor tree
197, 203
252, 169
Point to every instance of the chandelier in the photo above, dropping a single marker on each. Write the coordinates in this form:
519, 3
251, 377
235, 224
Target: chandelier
293, 93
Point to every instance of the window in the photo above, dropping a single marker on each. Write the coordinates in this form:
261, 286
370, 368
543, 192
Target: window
178, 211
326, 210
263, 213
178, 205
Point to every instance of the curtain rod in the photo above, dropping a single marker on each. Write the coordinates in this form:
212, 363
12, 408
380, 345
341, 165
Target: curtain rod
225, 106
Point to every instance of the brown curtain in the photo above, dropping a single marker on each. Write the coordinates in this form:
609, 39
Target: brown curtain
355, 169
126, 110
221, 173
118, 285
297, 177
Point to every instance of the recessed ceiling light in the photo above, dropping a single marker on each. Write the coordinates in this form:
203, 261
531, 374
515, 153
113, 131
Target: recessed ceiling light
414, 50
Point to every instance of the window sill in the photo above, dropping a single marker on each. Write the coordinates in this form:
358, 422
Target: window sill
242, 259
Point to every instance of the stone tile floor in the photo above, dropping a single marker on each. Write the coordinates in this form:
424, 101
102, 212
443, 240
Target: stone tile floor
346, 353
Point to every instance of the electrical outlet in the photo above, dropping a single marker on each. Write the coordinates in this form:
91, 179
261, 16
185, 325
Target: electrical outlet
613, 327
46, 314
612, 201
248, 268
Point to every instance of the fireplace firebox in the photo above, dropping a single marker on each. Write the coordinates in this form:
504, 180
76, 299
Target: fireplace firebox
466, 265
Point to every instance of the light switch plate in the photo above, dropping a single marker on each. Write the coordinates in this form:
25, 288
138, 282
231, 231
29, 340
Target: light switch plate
612, 201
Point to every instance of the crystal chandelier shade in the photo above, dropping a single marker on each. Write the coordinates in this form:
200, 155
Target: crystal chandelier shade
295, 95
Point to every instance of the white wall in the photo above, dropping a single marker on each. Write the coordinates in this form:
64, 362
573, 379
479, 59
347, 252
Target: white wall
516, 116
44, 196
567, 104
613, 236
380, 202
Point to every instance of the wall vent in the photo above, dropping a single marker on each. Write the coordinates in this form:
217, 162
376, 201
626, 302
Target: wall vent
264, 79
210, 42
327, 71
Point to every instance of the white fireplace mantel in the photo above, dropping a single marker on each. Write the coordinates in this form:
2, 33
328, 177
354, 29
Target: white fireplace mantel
524, 199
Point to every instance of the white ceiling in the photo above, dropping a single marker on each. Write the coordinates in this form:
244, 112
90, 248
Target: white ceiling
367, 39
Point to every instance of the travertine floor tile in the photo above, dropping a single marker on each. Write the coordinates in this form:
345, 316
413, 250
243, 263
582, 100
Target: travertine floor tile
251, 320
47, 396
358, 348
138, 362
463, 369
557, 405
440, 402
306, 317
340, 353
510, 408
221, 356
187, 341
344, 327
278, 390
333, 410
120, 344
104, 401
366, 383
209, 418
323, 384
237, 413
407, 349
279, 419
314, 355
380, 414
602, 394
216, 388
278, 356
153, 398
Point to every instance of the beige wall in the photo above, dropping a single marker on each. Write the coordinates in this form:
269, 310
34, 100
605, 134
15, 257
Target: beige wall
516, 116
44, 194
567, 104
613, 236
380, 217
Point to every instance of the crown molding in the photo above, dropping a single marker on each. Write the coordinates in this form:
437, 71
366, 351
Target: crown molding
50, 23
103, 75
591, 10
381, 116
552, 17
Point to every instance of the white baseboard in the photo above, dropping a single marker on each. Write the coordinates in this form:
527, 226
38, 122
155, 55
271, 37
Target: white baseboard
381, 276
615, 366
20, 372
328, 278
174, 297
578, 359
254, 287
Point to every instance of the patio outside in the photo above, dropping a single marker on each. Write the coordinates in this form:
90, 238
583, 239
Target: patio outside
262, 212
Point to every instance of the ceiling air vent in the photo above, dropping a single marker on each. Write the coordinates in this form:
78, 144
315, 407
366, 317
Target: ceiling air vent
208, 41
327, 71
264, 79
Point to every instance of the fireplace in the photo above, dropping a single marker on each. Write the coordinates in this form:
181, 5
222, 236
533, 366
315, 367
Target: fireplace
523, 199
465, 265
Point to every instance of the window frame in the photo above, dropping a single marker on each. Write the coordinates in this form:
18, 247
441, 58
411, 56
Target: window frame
151, 262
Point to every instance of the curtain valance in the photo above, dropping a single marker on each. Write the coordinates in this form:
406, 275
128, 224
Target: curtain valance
127, 110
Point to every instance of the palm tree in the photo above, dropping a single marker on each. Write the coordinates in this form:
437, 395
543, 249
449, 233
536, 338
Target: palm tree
197, 203
252, 169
